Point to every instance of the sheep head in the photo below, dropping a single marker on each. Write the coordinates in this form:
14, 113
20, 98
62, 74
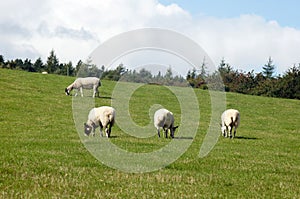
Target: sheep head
87, 129
173, 131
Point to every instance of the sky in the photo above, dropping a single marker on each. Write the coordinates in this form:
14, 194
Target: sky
284, 12
243, 32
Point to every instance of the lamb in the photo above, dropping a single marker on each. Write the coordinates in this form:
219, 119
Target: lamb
86, 83
104, 117
164, 119
230, 119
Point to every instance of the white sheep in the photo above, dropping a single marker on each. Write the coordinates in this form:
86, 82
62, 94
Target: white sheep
164, 119
84, 83
230, 119
104, 117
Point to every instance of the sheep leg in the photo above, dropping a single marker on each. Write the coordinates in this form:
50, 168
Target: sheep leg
166, 133
172, 132
101, 130
225, 132
94, 92
81, 92
230, 131
234, 132
106, 131
158, 132
109, 131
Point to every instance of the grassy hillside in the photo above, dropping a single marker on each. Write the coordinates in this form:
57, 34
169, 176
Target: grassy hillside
42, 155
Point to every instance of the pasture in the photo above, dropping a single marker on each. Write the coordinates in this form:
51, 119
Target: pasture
42, 155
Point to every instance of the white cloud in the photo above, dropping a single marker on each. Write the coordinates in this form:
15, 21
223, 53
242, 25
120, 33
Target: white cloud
170, 10
246, 42
75, 28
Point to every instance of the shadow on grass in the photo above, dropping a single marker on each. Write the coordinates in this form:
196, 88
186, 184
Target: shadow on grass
90, 96
245, 138
183, 138
101, 97
113, 137
105, 97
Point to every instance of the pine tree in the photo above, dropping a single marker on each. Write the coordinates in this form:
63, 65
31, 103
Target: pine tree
168, 76
78, 66
203, 73
194, 73
169, 73
52, 62
1, 61
38, 65
224, 68
28, 66
67, 69
269, 68
188, 75
18, 63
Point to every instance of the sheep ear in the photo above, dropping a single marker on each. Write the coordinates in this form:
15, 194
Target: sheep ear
220, 125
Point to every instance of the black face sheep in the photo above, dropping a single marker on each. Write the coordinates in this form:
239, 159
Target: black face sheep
84, 83
164, 119
104, 117
230, 119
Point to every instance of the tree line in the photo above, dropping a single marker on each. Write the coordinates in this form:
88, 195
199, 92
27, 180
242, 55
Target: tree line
52, 65
87, 68
263, 83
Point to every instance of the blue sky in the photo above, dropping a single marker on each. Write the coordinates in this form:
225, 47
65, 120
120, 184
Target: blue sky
244, 33
285, 12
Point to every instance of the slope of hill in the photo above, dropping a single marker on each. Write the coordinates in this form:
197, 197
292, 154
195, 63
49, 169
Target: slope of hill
43, 156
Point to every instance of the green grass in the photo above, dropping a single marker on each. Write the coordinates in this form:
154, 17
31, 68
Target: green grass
42, 155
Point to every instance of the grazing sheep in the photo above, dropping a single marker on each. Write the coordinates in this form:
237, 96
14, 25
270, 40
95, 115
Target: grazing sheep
164, 119
230, 119
86, 83
104, 117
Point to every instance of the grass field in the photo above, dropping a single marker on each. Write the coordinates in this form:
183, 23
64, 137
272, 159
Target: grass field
42, 155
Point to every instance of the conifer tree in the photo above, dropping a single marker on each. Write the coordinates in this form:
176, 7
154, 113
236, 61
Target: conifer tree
269, 68
52, 62
38, 65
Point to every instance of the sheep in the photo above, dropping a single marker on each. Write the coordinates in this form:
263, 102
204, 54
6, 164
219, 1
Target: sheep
86, 83
104, 117
230, 119
164, 119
